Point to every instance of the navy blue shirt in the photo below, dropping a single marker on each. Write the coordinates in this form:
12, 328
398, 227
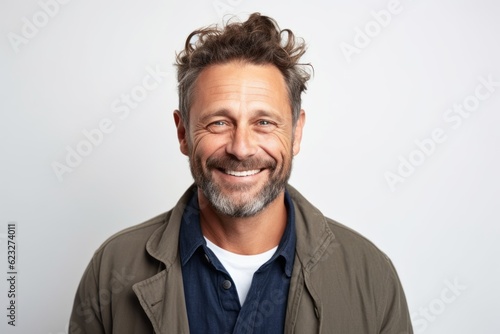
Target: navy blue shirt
212, 301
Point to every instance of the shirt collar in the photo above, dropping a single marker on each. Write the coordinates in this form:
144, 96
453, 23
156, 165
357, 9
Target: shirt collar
191, 237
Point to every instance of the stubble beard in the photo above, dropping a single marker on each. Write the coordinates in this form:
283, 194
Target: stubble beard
247, 204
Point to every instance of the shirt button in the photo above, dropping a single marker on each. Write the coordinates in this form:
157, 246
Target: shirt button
226, 284
207, 258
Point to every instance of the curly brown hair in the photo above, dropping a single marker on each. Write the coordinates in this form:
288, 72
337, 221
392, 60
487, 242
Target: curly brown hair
258, 40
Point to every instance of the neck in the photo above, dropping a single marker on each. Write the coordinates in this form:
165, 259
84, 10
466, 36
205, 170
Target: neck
248, 235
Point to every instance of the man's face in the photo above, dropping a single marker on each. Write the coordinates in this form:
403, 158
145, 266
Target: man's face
240, 141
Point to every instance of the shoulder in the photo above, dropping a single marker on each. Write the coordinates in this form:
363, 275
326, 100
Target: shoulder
135, 236
126, 251
346, 274
336, 244
155, 234
359, 266
145, 245
355, 243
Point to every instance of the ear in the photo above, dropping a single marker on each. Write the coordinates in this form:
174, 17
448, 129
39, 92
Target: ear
181, 132
297, 134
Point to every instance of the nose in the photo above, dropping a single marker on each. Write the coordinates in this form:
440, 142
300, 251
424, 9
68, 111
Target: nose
242, 144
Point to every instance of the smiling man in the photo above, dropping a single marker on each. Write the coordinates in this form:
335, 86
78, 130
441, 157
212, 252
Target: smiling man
240, 128
242, 251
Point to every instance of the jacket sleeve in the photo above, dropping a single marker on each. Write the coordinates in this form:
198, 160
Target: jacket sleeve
396, 315
86, 315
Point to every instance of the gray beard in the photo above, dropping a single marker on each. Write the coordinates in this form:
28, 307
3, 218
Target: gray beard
249, 206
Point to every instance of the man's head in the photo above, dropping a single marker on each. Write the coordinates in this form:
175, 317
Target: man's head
258, 41
240, 120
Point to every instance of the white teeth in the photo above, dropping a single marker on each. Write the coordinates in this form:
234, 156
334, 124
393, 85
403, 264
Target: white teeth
242, 173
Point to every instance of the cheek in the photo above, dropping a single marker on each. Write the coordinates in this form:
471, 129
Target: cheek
278, 146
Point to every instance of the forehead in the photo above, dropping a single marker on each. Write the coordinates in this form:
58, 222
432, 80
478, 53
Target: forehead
241, 82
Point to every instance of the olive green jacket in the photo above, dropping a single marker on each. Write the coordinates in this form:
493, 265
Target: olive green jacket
341, 282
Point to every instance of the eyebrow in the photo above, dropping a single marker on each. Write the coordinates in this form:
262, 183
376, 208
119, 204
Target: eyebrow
221, 112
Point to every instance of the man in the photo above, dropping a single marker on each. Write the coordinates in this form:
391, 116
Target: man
242, 251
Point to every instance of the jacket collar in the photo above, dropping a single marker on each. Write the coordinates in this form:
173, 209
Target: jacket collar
313, 234
164, 242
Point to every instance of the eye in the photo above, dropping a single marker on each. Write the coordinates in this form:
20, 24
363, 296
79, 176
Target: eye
265, 126
218, 126
218, 123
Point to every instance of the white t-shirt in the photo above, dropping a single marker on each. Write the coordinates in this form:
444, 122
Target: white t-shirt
241, 267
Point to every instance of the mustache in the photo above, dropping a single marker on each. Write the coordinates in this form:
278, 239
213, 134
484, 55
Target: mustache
231, 163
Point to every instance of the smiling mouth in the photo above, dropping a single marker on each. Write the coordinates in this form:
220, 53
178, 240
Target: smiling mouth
241, 173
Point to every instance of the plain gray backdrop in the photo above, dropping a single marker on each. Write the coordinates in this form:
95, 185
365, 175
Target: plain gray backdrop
401, 139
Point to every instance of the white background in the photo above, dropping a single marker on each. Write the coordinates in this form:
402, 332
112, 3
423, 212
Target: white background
364, 113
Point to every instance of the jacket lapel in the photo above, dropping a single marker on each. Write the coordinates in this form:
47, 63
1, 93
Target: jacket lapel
162, 295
